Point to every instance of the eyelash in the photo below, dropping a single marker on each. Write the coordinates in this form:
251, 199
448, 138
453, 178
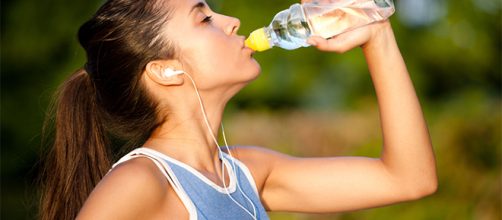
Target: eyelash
208, 19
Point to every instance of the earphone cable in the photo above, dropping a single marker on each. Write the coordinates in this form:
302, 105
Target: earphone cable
233, 167
206, 120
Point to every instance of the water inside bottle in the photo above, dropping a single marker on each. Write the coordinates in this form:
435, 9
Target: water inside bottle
328, 21
291, 28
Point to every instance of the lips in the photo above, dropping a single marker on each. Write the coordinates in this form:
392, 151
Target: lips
251, 51
244, 47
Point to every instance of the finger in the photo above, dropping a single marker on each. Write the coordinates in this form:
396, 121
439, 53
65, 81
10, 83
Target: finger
325, 45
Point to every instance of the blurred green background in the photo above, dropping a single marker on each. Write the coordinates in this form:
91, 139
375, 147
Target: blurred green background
306, 103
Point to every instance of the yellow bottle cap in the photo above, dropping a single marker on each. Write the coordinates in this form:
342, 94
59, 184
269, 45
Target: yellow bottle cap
258, 40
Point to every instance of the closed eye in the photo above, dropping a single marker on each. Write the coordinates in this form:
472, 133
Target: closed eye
208, 19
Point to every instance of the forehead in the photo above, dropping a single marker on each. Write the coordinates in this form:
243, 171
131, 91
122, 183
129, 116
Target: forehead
181, 15
184, 7
180, 23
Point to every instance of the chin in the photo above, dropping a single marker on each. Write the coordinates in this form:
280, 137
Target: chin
254, 74
248, 72
249, 77
257, 69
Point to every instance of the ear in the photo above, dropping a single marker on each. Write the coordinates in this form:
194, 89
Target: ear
156, 71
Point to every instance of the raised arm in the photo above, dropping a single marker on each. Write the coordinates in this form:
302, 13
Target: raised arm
407, 150
406, 169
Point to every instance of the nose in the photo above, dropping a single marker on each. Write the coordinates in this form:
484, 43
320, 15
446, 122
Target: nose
233, 25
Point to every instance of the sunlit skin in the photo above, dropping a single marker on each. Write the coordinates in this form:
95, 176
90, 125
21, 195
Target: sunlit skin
212, 53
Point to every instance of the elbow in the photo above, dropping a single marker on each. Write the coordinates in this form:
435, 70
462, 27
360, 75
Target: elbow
423, 189
428, 189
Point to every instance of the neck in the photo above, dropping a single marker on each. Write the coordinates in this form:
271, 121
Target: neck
185, 136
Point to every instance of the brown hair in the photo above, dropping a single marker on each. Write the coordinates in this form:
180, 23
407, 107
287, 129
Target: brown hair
106, 96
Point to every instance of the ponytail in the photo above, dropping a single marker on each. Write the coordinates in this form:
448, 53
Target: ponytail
79, 156
107, 99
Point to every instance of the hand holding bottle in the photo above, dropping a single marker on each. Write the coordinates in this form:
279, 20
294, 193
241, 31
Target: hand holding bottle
344, 42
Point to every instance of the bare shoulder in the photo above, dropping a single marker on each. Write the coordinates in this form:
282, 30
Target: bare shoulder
134, 189
260, 161
253, 153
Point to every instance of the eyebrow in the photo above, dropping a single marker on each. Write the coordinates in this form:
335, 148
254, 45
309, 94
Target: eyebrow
196, 6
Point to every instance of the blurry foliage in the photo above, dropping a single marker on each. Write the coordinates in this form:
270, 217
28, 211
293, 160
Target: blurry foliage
303, 98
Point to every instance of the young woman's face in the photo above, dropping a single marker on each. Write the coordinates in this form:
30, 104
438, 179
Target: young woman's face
208, 45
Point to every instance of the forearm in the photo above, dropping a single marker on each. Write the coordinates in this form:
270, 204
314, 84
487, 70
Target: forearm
407, 149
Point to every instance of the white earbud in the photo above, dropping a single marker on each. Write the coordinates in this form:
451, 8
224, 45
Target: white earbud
168, 72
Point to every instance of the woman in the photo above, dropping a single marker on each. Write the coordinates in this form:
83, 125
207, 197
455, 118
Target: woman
148, 63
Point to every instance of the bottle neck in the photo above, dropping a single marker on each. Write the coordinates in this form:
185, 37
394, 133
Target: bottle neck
271, 36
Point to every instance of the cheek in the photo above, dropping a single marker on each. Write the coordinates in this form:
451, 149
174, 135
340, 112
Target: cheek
217, 59
224, 59
213, 57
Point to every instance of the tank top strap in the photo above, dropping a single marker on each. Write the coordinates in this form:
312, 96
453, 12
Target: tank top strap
241, 166
166, 170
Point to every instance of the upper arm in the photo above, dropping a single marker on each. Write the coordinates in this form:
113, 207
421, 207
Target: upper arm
324, 184
133, 190
329, 184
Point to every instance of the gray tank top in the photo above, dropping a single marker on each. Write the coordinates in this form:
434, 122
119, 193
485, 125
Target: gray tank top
204, 199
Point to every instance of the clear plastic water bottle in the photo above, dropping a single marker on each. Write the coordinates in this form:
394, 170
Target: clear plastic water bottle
291, 28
